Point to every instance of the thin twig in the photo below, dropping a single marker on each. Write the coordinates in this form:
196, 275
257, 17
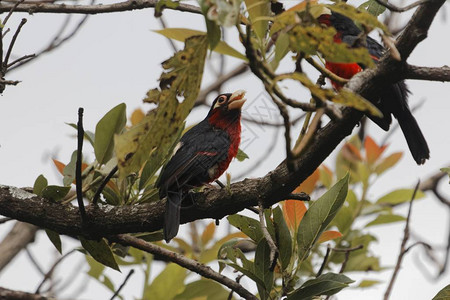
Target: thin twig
103, 184
25, 57
78, 179
13, 41
129, 5
273, 248
57, 41
298, 196
11, 11
52, 269
325, 72
116, 293
187, 263
403, 248
347, 252
164, 26
322, 267
392, 7
34, 261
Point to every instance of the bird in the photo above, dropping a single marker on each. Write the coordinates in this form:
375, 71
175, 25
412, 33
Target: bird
393, 99
202, 155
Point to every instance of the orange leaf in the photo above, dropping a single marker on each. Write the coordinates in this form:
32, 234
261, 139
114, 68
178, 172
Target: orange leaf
59, 165
329, 235
208, 233
373, 151
293, 211
351, 153
309, 184
137, 116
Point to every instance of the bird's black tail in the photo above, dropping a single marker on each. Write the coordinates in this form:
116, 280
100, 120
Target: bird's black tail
414, 137
172, 215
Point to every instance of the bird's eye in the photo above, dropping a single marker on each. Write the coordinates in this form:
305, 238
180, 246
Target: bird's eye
221, 99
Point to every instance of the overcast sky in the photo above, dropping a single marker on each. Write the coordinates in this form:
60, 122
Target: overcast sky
116, 58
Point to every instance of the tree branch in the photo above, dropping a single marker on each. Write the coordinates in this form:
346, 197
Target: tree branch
129, 5
190, 264
428, 73
16, 295
18, 238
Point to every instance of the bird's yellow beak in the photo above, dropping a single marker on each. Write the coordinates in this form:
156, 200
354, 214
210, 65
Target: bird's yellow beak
237, 99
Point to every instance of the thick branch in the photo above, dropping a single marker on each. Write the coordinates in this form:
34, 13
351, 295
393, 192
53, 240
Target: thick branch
15, 241
130, 5
428, 73
16, 295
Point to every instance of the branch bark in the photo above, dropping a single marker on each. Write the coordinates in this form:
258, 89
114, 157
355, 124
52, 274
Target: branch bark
428, 73
15, 241
129, 5
17, 295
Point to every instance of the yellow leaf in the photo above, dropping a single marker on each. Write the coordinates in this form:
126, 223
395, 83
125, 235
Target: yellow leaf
137, 116
181, 34
208, 233
329, 235
348, 98
257, 11
388, 162
152, 137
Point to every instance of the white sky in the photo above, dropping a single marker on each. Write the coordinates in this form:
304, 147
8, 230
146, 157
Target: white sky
116, 58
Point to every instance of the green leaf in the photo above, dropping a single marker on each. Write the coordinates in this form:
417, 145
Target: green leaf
95, 268
241, 155
249, 226
373, 7
368, 283
69, 170
246, 272
181, 34
262, 268
39, 185
54, 192
55, 239
281, 46
213, 31
399, 196
385, 219
203, 289
152, 236
258, 11
168, 283
88, 135
388, 162
283, 237
362, 262
112, 123
443, 294
326, 284
319, 215
100, 251
160, 128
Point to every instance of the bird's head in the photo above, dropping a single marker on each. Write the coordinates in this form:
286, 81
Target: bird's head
341, 23
226, 108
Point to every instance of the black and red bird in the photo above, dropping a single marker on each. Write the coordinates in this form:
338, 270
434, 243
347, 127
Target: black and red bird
393, 98
202, 155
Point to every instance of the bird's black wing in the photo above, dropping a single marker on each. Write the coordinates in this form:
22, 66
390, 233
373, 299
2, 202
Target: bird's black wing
201, 148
